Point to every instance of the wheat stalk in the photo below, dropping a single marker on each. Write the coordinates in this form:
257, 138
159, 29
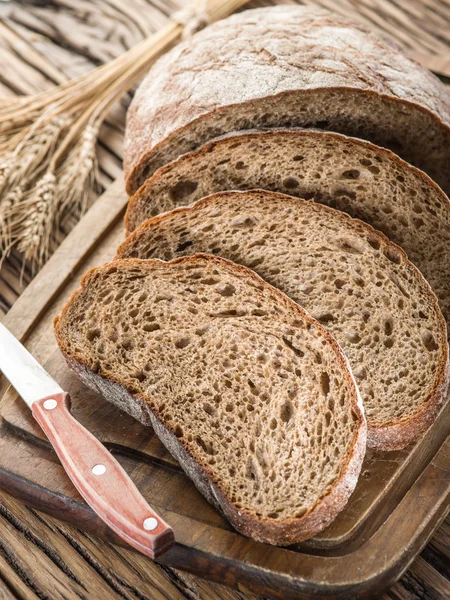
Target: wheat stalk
48, 163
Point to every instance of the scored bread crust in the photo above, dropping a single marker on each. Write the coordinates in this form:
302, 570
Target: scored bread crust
283, 532
401, 432
270, 58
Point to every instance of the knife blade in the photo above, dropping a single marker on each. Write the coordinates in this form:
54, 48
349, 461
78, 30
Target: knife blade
23, 371
96, 474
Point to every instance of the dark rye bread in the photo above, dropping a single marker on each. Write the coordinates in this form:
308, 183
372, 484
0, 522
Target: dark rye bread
287, 66
251, 395
355, 176
352, 279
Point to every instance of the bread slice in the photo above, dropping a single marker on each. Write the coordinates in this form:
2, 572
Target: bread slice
287, 66
251, 395
345, 274
367, 182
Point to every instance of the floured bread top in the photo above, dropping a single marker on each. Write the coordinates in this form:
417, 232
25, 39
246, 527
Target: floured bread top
287, 66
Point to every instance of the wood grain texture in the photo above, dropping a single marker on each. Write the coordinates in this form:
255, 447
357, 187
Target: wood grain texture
48, 43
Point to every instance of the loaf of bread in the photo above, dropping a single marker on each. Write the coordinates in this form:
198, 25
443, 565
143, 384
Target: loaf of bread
355, 176
352, 279
251, 395
287, 66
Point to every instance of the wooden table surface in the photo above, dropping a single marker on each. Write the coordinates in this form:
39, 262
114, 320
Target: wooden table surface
46, 42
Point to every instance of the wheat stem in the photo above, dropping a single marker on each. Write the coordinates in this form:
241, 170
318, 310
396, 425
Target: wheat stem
48, 163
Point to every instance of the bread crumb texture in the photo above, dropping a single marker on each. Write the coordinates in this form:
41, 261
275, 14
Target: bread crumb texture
352, 175
256, 391
345, 274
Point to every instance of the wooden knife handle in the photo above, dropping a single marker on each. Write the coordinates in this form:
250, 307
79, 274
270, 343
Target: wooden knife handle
100, 479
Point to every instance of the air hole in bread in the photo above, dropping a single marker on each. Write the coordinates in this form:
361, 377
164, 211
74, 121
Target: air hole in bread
92, 334
325, 318
290, 345
184, 245
203, 445
151, 327
227, 290
290, 183
354, 338
388, 326
256, 262
429, 342
209, 409
286, 412
392, 255
127, 343
209, 281
350, 174
374, 242
325, 383
183, 189
251, 470
182, 343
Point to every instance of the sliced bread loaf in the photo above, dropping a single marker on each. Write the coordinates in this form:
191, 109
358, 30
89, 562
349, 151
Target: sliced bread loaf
345, 274
366, 181
287, 66
251, 395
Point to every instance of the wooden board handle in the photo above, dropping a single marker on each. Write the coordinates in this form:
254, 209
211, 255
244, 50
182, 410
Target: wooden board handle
100, 479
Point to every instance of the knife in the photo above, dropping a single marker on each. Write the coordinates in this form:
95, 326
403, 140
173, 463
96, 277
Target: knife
96, 474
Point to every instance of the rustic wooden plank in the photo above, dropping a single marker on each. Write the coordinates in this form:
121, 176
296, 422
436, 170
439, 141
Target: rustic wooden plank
421, 581
430, 27
72, 565
5, 592
13, 586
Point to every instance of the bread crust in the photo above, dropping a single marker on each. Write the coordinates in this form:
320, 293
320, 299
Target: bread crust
401, 432
283, 532
305, 50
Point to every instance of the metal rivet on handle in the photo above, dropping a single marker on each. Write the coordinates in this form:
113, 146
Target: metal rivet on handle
99, 469
150, 524
50, 404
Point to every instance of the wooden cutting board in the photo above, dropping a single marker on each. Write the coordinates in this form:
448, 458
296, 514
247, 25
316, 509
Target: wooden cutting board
400, 500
